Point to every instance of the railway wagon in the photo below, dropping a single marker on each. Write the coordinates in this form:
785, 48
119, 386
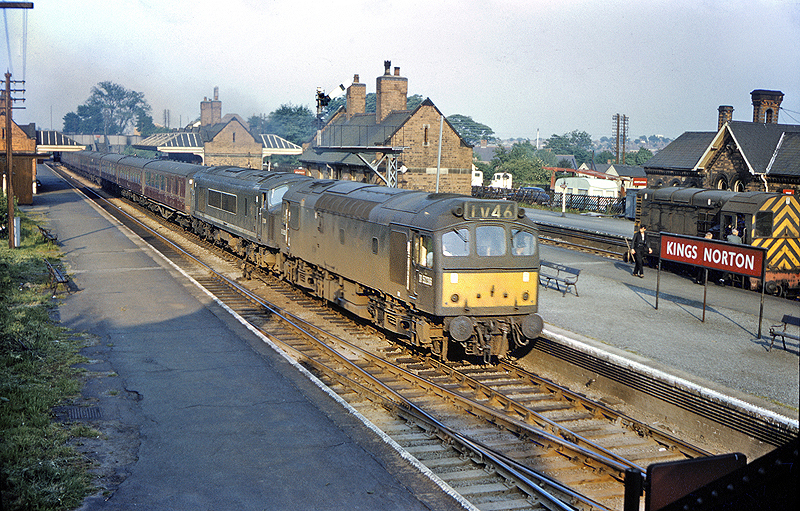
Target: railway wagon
162, 185
433, 268
767, 220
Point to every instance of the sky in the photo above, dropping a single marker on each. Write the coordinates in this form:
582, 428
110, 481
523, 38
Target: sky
521, 67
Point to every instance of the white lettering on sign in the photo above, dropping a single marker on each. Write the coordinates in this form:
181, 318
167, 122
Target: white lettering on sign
683, 250
729, 258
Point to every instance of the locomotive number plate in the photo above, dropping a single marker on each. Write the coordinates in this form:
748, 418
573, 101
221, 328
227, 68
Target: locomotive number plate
490, 210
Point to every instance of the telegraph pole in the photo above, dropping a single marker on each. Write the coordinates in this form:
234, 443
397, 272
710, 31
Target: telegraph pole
9, 166
8, 103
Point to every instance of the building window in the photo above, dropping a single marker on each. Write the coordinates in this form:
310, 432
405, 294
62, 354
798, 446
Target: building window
234, 137
425, 140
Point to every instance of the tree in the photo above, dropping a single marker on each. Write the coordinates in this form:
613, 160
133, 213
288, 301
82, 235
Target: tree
471, 131
145, 126
111, 109
296, 124
639, 157
576, 143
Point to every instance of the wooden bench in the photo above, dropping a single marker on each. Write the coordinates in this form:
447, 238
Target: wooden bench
47, 235
57, 277
780, 330
560, 274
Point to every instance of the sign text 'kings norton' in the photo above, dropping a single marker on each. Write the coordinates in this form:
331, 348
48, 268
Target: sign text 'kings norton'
734, 258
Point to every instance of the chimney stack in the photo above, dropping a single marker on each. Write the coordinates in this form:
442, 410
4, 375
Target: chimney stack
211, 111
725, 115
356, 98
391, 92
766, 105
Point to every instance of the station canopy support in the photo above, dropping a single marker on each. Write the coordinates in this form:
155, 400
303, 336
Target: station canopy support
392, 164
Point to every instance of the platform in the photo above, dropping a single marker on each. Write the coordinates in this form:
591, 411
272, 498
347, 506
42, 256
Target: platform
215, 419
616, 309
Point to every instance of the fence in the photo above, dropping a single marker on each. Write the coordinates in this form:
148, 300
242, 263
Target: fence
605, 205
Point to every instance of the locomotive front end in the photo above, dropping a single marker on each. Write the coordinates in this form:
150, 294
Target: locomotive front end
489, 279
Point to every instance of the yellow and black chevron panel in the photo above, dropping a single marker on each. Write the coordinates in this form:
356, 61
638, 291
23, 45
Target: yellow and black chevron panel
783, 248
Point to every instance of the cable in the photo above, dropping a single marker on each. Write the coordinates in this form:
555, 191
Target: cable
8, 42
786, 112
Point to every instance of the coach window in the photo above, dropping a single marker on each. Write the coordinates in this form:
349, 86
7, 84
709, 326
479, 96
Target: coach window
523, 243
423, 250
455, 243
763, 224
490, 240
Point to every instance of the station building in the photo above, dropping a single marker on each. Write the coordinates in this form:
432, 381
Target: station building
219, 140
417, 131
757, 155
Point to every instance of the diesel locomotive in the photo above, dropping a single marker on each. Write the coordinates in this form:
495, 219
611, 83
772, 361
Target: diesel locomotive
767, 220
438, 270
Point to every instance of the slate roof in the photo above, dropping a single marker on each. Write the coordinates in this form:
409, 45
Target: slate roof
55, 138
194, 140
627, 170
683, 153
786, 159
360, 130
760, 143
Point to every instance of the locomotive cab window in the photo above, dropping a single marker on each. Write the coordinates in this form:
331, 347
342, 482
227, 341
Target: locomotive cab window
423, 250
455, 243
523, 243
763, 224
274, 196
490, 240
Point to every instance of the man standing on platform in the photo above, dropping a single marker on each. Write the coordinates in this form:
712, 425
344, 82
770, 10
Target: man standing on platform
639, 248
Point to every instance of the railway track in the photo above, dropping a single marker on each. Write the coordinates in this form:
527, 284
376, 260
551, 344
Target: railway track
499, 436
597, 242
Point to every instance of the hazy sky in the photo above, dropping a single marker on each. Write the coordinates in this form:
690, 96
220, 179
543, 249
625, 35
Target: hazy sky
517, 66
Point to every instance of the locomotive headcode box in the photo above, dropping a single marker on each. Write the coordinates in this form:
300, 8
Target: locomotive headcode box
490, 210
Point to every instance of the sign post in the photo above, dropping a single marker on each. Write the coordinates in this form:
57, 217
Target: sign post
716, 255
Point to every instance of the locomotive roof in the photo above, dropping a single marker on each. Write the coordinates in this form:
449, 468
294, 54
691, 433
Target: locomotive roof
255, 178
382, 204
740, 202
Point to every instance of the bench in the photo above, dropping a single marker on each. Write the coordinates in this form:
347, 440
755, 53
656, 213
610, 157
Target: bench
560, 274
47, 235
57, 277
776, 330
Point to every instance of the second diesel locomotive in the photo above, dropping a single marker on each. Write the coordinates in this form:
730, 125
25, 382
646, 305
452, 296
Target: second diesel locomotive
767, 220
436, 269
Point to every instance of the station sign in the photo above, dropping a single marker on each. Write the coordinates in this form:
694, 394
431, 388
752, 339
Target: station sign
714, 254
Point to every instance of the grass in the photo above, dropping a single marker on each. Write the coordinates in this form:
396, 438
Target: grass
38, 468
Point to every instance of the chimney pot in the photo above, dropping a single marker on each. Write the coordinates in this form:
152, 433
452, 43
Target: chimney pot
397, 71
386, 65
355, 78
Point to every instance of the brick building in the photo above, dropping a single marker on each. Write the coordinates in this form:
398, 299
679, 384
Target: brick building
23, 159
219, 140
392, 125
740, 156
